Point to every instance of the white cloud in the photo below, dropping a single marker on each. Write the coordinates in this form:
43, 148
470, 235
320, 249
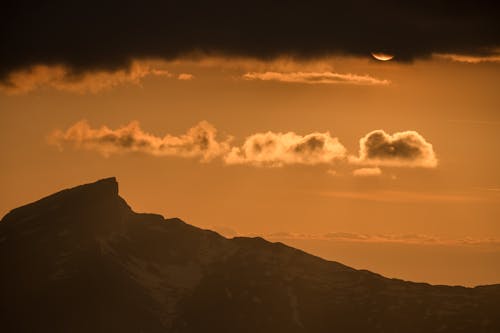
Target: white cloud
199, 141
265, 149
279, 149
401, 149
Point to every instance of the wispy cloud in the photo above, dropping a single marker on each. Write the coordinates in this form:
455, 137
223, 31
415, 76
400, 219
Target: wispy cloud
185, 77
476, 122
416, 239
332, 172
61, 78
285, 69
367, 172
199, 141
403, 196
316, 78
355, 237
471, 59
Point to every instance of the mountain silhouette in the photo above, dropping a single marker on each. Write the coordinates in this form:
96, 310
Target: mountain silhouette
81, 260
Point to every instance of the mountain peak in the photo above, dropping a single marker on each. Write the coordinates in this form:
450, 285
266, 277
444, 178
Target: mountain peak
87, 198
107, 186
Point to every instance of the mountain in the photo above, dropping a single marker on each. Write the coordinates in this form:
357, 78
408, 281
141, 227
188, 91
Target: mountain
81, 260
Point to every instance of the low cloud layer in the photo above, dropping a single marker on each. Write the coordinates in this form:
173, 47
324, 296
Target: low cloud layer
398, 197
401, 149
199, 141
315, 78
354, 237
413, 239
265, 149
279, 149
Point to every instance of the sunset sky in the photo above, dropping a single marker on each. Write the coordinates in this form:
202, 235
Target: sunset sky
254, 127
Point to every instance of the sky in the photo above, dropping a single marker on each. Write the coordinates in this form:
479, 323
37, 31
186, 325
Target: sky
272, 121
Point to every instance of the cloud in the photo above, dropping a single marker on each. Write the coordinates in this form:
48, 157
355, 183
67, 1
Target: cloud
471, 59
225, 231
401, 149
331, 172
367, 172
265, 149
409, 239
92, 35
185, 77
279, 149
62, 78
315, 78
405, 197
199, 141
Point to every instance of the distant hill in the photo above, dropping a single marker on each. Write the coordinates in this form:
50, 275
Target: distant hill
81, 260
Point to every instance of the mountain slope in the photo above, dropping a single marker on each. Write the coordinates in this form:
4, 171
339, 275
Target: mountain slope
81, 260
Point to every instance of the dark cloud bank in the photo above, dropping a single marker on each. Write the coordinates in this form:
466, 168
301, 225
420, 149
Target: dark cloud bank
91, 35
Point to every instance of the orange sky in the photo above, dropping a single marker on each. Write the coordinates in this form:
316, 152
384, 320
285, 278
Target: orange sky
428, 222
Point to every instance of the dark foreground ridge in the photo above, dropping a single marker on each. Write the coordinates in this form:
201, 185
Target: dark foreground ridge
81, 260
